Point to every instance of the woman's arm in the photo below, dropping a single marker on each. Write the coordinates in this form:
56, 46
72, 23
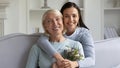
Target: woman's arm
32, 61
88, 47
47, 47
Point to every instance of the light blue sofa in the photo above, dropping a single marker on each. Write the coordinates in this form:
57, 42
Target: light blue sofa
14, 49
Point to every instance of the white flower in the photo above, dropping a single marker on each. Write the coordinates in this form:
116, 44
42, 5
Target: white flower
72, 54
67, 48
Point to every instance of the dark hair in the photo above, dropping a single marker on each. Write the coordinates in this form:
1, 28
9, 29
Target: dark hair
69, 5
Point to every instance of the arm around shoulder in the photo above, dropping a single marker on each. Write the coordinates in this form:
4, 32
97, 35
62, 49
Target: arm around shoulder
43, 43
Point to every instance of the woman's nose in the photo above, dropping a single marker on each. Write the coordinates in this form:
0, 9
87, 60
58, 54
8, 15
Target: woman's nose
55, 22
71, 19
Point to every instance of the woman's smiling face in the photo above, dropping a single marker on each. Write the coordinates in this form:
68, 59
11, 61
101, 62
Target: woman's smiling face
71, 18
53, 24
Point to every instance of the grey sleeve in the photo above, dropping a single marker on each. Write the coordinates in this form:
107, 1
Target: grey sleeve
45, 45
89, 49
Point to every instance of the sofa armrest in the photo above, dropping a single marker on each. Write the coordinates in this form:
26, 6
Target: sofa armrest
14, 49
107, 53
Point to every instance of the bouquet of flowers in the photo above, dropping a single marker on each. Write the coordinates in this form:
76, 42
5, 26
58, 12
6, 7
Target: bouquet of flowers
72, 54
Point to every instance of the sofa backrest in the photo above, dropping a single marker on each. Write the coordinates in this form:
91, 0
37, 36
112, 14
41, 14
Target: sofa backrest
14, 50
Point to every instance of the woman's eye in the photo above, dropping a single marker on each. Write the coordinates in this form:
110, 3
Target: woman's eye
66, 16
48, 21
57, 19
74, 16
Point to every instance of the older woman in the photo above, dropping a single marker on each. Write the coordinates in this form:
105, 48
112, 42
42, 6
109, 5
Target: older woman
53, 26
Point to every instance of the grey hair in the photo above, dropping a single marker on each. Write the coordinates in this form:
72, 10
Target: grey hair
57, 12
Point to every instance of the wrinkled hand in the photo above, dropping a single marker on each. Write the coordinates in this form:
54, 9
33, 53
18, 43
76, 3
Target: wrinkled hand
65, 64
69, 64
58, 64
54, 65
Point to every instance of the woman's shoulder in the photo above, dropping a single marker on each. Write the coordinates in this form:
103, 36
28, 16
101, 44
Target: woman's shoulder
82, 29
43, 36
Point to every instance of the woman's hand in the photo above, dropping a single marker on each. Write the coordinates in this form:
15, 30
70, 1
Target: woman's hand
57, 65
58, 57
69, 64
65, 64
54, 65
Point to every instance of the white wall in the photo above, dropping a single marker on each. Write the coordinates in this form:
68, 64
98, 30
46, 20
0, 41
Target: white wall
93, 18
22, 16
16, 17
12, 22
